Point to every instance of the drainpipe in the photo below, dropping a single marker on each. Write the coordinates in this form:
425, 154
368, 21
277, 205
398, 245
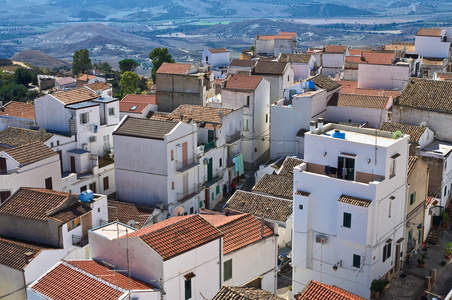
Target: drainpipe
221, 262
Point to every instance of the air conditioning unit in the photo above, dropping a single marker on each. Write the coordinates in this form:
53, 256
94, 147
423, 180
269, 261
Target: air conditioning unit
92, 139
321, 239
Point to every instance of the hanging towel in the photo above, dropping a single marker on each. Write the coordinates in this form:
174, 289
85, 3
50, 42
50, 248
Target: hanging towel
241, 167
236, 164
339, 172
333, 170
327, 170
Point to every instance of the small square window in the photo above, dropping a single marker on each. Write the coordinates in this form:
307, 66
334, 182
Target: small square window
300, 207
84, 118
111, 111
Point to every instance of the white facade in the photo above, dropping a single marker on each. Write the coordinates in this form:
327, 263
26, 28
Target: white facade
333, 63
302, 70
355, 246
215, 58
433, 46
374, 117
8, 121
385, 77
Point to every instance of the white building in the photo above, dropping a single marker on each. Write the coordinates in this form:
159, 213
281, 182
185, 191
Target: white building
356, 224
433, 42
241, 65
253, 94
17, 114
303, 64
181, 256
280, 75
333, 59
283, 42
215, 57
65, 83
38, 227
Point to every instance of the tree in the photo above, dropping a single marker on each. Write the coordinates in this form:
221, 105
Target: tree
104, 67
23, 76
158, 57
81, 61
127, 65
128, 83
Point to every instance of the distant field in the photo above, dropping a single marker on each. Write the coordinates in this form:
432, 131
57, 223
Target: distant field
213, 23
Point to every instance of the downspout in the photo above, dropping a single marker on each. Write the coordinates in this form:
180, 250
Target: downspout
221, 263
425, 197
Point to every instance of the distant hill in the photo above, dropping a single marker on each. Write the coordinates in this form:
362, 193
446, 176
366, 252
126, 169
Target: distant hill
39, 59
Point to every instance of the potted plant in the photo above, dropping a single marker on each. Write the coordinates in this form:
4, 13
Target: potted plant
446, 219
448, 250
421, 260
377, 287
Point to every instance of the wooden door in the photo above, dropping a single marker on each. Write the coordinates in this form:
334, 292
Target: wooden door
3, 169
87, 223
206, 199
184, 154
73, 170
397, 260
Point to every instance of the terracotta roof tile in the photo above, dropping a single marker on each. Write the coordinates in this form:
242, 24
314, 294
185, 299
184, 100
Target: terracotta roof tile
288, 165
409, 47
270, 68
429, 32
302, 193
150, 99
279, 36
320, 291
98, 86
158, 115
324, 82
30, 153
444, 75
436, 61
15, 137
374, 92
75, 96
145, 128
275, 185
242, 63
65, 80
65, 282
19, 110
132, 107
270, 207
86, 77
13, 252
71, 212
357, 52
375, 58
427, 94
177, 235
415, 132
242, 82
335, 49
124, 212
301, 58
359, 101
412, 161
173, 68
33, 203
244, 293
103, 272
219, 50
354, 200
199, 113
239, 231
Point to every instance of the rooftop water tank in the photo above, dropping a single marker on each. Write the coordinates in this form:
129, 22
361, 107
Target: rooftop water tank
86, 196
311, 85
339, 135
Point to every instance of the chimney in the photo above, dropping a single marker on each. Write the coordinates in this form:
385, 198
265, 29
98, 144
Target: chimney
362, 56
312, 126
262, 227
320, 123
417, 151
29, 256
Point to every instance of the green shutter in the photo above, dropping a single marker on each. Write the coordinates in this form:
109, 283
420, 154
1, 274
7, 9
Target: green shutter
213, 197
187, 289
356, 261
347, 222
227, 272
218, 189
412, 198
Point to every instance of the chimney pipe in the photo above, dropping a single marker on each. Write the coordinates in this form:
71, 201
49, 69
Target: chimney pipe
29, 256
312, 126
320, 123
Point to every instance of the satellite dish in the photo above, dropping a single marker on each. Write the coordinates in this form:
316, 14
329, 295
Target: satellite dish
131, 223
423, 124
178, 211
99, 92
397, 134
42, 130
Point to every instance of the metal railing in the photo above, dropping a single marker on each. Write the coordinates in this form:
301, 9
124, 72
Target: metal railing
190, 163
218, 174
79, 241
188, 193
233, 137
210, 146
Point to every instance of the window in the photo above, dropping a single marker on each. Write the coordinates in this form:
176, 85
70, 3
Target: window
4, 195
58, 142
412, 198
300, 207
84, 118
51, 144
188, 289
3, 168
227, 272
106, 183
172, 185
347, 221
218, 189
247, 101
133, 107
387, 251
266, 118
221, 162
445, 191
389, 208
172, 154
111, 111
49, 185
356, 261
83, 188
213, 197
191, 210
392, 168
73, 224
92, 186
245, 124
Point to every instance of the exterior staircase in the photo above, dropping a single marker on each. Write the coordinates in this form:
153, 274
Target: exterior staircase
433, 235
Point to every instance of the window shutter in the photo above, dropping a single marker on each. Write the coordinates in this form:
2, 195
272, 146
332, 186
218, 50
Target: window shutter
187, 289
356, 261
389, 250
384, 253
227, 270
347, 222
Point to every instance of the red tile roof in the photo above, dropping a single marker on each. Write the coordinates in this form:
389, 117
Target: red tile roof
319, 291
242, 82
70, 213
279, 36
429, 32
200, 113
137, 107
173, 68
351, 87
335, 49
65, 282
177, 235
13, 252
106, 273
19, 110
30, 153
98, 86
150, 99
65, 80
33, 203
354, 52
86, 77
220, 50
124, 212
238, 231
348, 86
375, 58
75, 96
361, 101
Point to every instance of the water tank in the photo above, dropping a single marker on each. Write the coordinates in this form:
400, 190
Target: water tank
339, 135
86, 196
311, 85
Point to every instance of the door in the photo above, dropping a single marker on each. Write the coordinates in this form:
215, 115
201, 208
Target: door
3, 169
87, 223
185, 183
209, 170
60, 154
350, 168
206, 199
210, 136
73, 170
397, 260
184, 154
48, 182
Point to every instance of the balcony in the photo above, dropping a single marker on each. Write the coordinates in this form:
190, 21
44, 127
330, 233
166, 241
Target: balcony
359, 176
190, 163
210, 146
8, 171
181, 197
233, 137
217, 176
79, 241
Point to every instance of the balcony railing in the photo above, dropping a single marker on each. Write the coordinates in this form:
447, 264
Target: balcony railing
233, 137
8, 171
210, 146
190, 163
79, 241
188, 193
215, 177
